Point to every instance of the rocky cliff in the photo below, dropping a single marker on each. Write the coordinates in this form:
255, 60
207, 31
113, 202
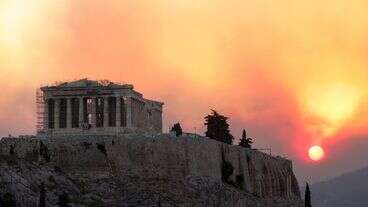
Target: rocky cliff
142, 170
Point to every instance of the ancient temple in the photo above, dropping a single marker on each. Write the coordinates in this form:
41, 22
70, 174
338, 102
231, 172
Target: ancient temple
102, 107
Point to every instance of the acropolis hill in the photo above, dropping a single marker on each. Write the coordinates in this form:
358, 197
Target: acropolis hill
115, 165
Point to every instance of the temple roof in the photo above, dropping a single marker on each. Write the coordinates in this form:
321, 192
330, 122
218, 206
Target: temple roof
86, 83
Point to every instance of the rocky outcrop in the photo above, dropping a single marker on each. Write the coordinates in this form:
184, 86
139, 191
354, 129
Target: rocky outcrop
143, 170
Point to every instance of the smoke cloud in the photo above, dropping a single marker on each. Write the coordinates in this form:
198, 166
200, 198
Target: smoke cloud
269, 66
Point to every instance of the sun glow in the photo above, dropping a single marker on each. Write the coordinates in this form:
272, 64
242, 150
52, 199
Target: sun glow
316, 153
332, 105
12, 21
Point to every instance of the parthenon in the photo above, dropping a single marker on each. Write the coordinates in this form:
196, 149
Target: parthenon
104, 107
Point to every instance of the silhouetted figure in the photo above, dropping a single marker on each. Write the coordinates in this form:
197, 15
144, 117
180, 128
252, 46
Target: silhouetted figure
307, 198
218, 128
245, 141
177, 129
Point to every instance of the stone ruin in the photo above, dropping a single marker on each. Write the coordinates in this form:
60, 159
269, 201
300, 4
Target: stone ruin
96, 107
101, 143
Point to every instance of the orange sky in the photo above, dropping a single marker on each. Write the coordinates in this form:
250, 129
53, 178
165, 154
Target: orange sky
289, 71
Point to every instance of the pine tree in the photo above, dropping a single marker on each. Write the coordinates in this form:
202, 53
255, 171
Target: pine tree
245, 141
307, 198
218, 128
177, 129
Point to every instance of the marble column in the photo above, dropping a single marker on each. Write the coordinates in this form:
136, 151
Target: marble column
129, 112
69, 113
94, 105
81, 112
118, 111
106, 111
57, 113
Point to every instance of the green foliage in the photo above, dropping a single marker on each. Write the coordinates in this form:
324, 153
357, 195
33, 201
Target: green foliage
7, 200
102, 149
64, 200
218, 128
307, 198
177, 129
245, 141
226, 171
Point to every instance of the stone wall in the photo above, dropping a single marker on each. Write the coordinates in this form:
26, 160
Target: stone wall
146, 115
142, 162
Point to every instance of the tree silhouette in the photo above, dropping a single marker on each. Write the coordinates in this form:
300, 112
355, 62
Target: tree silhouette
245, 141
307, 198
218, 128
177, 129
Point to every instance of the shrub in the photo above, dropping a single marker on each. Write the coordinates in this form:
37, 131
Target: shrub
177, 129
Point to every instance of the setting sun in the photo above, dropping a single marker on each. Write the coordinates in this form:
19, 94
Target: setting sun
316, 153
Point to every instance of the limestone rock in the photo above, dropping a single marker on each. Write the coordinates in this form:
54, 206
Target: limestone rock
143, 170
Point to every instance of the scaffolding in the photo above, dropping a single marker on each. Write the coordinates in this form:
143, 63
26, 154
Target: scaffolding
40, 110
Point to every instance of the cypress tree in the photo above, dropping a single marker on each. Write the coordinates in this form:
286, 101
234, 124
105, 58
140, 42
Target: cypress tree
307, 199
245, 141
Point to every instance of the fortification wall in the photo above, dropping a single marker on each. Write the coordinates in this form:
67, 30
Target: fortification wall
141, 161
